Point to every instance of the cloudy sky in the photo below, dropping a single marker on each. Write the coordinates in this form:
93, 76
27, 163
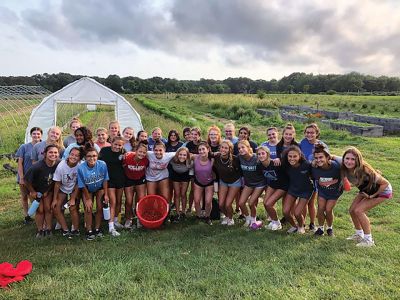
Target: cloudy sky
192, 39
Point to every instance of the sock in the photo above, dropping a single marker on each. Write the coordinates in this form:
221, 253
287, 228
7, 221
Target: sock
110, 226
330, 227
360, 232
321, 227
368, 237
72, 228
115, 219
253, 219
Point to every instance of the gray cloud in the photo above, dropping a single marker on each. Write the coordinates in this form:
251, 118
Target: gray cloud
289, 33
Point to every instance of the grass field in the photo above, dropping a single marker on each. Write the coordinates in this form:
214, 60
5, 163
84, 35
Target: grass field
196, 261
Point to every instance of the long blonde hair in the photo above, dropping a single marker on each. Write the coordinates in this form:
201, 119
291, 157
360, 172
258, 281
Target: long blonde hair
230, 154
247, 145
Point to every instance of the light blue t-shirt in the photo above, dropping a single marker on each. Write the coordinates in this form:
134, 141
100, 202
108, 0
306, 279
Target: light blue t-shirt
272, 149
92, 178
25, 152
307, 148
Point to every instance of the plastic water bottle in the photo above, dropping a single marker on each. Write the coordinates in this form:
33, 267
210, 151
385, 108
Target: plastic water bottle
35, 204
106, 211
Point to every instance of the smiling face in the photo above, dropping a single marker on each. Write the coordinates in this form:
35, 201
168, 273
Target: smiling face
80, 138
229, 132
203, 151
113, 129
272, 136
156, 134
243, 135
142, 136
213, 135
224, 149
74, 157
91, 158
350, 161
141, 152
51, 154
74, 126
159, 151
293, 158
128, 134
102, 137
188, 136
117, 146
195, 136
36, 136
182, 156
262, 155
243, 150
173, 137
288, 136
320, 159
311, 135
54, 134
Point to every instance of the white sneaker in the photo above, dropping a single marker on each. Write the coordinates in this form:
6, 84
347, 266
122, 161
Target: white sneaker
138, 224
222, 216
248, 221
128, 224
268, 226
113, 232
224, 221
118, 225
58, 226
366, 243
292, 230
276, 226
301, 230
230, 222
355, 237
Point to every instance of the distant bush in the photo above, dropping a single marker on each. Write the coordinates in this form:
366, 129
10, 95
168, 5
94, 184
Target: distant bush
331, 92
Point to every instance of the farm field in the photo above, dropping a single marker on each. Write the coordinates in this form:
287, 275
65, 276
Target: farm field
196, 261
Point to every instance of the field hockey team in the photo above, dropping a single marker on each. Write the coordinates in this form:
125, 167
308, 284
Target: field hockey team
99, 173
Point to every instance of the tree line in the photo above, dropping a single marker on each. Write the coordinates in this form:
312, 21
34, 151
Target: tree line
294, 83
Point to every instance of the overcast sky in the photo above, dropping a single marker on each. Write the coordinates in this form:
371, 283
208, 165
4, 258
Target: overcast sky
192, 39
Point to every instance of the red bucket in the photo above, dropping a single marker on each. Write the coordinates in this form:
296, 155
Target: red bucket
152, 211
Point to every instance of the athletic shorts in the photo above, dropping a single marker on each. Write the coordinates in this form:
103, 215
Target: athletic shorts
387, 193
116, 185
237, 183
302, 195
134, 182
203, 185
261, 186
328, 197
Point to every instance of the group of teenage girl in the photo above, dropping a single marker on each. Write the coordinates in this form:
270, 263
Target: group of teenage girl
188, 171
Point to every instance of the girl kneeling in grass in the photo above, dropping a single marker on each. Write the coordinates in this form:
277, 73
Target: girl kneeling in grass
93, 181
65, 178
113, 156
254, 181
373, 190
326, 175
300, 189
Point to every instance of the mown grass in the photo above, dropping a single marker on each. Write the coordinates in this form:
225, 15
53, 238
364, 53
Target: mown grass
196, 261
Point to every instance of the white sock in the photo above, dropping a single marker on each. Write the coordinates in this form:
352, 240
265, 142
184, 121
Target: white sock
253, 220
72, 228
330, 227
110, 226
115, 219
360, 232
368, 237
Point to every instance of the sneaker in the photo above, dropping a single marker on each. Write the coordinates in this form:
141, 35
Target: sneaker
292, 230
90, 236
58, 226
128, 224
28, 220
283, 221
301, 230
329, 231
99, 233
311, 227
48, 233
241, 217
319, 232
256, 225
355, 237
66, 233
208, 221
118, 225
75, 232
247, 223
230, 222
366, 243
224, 221
268, 226
114, 233
275, 226
40, 234
138, 224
